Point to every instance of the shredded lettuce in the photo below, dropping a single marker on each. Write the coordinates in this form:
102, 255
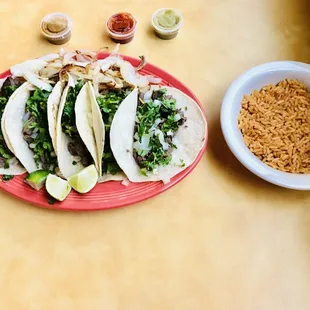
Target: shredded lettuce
108, 104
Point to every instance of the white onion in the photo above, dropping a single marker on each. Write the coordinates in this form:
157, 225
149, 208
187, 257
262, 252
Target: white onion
71, 81
125, 182
143, 145
33, 79
96, 70
153, 80
34, 135
136, 136
49, 71
32, 65
128, 73
177, 117
116, 49
78, 63
166, 180
81, 58
68, 56
147, 95
142, 64
96, 86
106, 63
157, 103
161, 138
118, 83
32, 145
36, 130
170, 133
26, 117
141, 81
158, 121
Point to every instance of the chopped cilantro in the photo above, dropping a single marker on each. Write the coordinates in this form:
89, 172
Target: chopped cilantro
143, 171
68, 116
148, 114
182, 163
108, 104
5, 153
36, 131
7, 177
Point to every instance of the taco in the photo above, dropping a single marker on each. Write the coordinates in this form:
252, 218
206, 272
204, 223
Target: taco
157, 133
27, 128
8, 162
76, 147
104, 107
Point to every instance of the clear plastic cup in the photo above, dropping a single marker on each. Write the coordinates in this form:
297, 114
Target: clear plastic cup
61, 37
163, 33
119, 36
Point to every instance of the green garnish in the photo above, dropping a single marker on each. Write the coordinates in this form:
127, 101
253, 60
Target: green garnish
35, 130
157, 122
74, 163
182, 163
68, 116
7, 177
76, 146
108, 104
5, 153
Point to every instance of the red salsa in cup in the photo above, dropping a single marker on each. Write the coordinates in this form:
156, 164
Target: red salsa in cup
121, 27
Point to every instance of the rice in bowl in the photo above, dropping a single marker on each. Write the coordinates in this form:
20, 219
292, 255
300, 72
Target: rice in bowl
275, 125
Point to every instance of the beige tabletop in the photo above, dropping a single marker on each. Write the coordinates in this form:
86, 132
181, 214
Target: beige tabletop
222, 239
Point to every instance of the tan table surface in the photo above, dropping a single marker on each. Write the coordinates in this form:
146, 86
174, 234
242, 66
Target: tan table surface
220, 240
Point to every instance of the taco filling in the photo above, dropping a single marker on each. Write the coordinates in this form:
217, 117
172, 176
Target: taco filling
76, 147
36, 132
157, 122
8, 88
108, 103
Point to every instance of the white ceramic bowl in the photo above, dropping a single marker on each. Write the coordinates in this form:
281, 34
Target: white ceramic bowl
256, 78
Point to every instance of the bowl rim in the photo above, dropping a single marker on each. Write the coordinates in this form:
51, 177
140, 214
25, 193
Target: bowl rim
248, 159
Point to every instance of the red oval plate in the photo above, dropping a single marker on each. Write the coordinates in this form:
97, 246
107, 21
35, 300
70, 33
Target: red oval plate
111, 194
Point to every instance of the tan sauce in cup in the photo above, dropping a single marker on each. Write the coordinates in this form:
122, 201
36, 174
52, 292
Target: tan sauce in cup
55, 29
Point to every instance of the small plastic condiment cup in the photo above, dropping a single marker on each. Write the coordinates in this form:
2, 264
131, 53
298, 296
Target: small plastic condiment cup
119, 37
167, 34
57, 38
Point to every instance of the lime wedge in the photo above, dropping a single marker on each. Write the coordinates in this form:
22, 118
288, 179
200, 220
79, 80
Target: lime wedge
57, 187
85, 180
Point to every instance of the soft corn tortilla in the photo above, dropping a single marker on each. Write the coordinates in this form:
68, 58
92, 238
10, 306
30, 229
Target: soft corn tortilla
99, 132
189, 139
13, 127
12, 124
52, 111
15, 167
83, 114
84, 121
